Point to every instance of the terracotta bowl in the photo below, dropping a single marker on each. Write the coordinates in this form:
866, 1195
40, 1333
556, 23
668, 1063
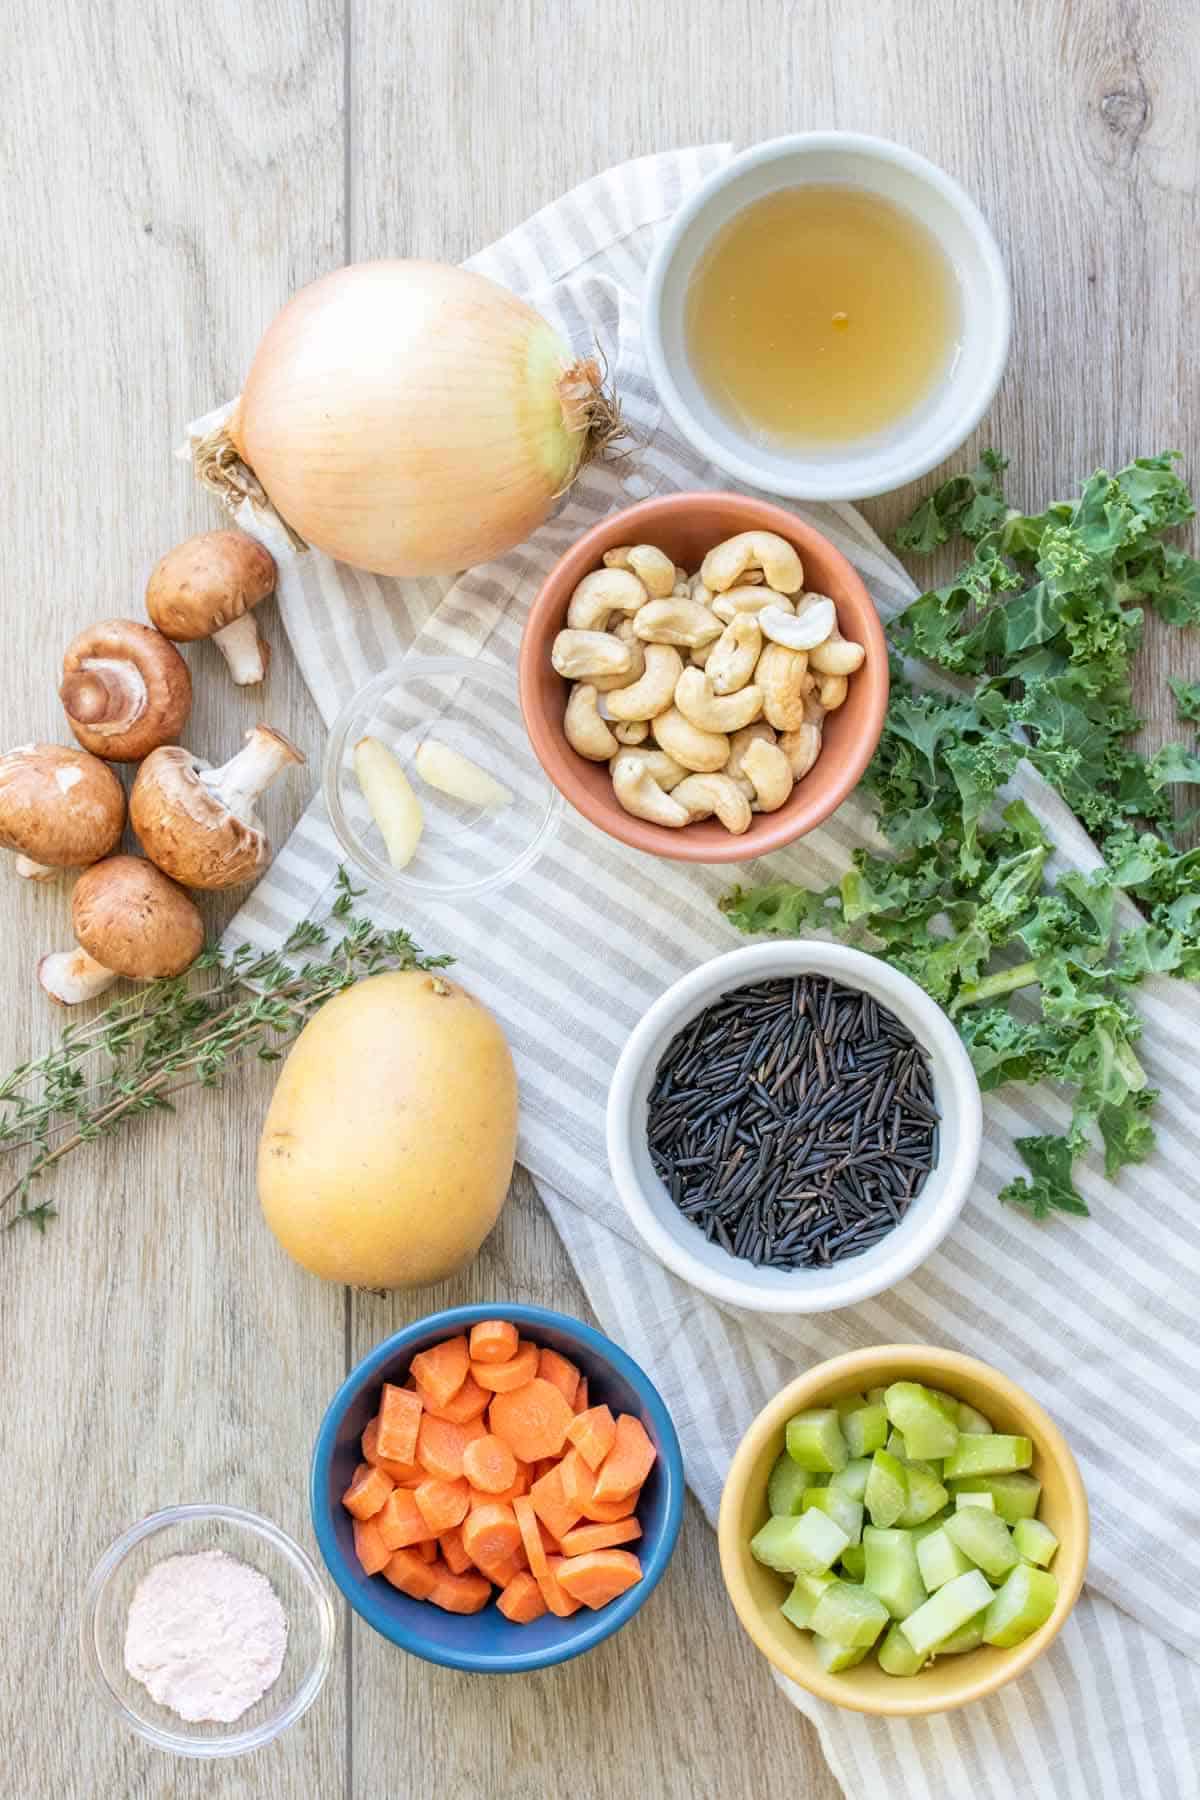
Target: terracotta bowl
757, 1592
687, 526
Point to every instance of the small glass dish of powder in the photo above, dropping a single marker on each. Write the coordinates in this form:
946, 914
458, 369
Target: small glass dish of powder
207, 1630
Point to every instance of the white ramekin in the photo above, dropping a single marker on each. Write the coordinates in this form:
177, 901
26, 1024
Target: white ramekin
682, 1246
936, 429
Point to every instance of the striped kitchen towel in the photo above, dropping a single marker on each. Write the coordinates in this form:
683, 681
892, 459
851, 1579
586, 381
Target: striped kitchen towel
1097, 1318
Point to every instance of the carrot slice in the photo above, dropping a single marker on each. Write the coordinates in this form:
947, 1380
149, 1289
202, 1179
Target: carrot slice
501, 1378
531, 1533
600, 1576
369, 1547
578, 1482
427, 1550
401, 1523
440, 1445
493, 1341
451, 1545
469, 1403
442, 1504
628, 1462
460, 1593
406, 1571
581, 1396
600, 1537
592, 1433
490, 1465
490, 1533
551, 1505
399, 1422
442, 1370
368, 1492
480, 1497
532, 1419
522, 1600
501, 1570
400, 1472
560, 1603
560, 1373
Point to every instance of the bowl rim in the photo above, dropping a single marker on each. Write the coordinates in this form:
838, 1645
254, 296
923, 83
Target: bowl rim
599, 1625
839, 484
927, 1359
233, 1743
717, 975
770, 832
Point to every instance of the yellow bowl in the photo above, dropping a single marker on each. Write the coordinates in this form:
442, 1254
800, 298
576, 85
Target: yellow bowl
757, 1592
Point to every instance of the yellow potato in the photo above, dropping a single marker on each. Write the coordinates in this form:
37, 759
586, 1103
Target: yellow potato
389, 1144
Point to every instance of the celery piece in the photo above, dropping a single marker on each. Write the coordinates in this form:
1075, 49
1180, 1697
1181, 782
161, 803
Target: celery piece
875, 1395
987, 1501
892, 1570
833, 1658
947, 1402
865, 1430
847, 1404
1024, 1602
785, 1487
887, 1490
849, 1614
815, 1441
993, 1454
896, 1654
854, 1562
806, 1591
895, 1446
804, 1546
852, 1479
985, 1538
947, 1610
975, 1424
967, 1637
940, 1560
922, 1417
929, 1527
839, 1506
1014, 1496
1035, 1541
926, 1496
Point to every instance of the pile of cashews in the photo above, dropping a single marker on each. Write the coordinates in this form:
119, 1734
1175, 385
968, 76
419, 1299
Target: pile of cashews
729, 731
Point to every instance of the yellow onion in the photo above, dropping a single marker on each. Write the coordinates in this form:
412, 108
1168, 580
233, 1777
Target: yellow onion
413, 418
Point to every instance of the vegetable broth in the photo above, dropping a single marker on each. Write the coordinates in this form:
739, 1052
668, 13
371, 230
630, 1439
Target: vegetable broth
821, 314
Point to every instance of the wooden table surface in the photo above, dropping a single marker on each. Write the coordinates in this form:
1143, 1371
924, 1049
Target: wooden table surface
171, 173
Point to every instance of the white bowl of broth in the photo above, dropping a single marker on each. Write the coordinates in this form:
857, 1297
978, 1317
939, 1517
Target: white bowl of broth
827, 316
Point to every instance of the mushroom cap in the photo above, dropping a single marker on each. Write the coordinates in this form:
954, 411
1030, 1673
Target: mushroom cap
60, 807
135, 920
208, 582
187, 830
125, 688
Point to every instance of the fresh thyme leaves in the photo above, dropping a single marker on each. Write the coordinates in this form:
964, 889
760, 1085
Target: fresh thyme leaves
145, 1048
1036, 969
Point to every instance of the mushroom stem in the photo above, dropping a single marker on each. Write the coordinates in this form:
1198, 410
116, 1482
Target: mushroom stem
69, 976
29, 870
244, 649
241, 780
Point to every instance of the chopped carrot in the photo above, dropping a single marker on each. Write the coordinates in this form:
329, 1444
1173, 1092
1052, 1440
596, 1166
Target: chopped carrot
442, 1370
480, 1497
440, 1445
522, 1600
490, 1533
560, 1603
600, 1576
401, 1523
608, 1512
628, 1462
578, 1482
542, 1467
501, 1378
490, 1465
501, 1570
600, 1537
592, 1433
400, 1472
493, 1341
550, 1503
369, 1547
368, 1491
427, 1550
531, 1533
408, 1572
442, 1504
399, 1422
581, 1395
451, 1545
469, 1403
460, 1593
560, 1373
532, 1419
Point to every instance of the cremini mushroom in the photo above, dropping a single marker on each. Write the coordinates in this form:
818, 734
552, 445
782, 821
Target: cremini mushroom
600, 595
700, 706
767, 768
59, 809
727, 563
780, 675
752, 600
208, 587
740, 742
652, 695
802, 748
838, 655
684, 623
125, 690
640, 794
585, 730
804, 629
199, 824
701, 751
579, 655
730, 663
129, 919
703, 795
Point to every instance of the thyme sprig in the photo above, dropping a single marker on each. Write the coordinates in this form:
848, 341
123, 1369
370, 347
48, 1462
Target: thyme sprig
189, 1031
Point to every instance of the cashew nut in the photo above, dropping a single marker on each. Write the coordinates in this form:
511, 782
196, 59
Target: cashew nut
676, 621
683, 584
831, 691
767, 766
740, 742
653, 568
698, 657
703, 751
804, 629
579, 655
617, 557
780, 677
703, 795
730, 662
814, 712
802, 748
638, 792
624, 631
748, 600
724, 565
662, 768
585, 730
838, 655
708, 711
602, 593
654, 691
632, 731
698, 592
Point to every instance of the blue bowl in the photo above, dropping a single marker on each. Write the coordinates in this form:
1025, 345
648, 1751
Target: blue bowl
487, 1642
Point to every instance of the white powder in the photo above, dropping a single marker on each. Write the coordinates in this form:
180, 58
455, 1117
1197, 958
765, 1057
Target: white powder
206, 1635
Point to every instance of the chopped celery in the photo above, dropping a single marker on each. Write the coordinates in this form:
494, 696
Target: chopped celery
896, 1654
895, 1446
875, 1395
926, 1496
849, 1614
854, 1562
985, 1538
993, 1454
848, 1403
973, 1423
815, 1441
839, 1506
1024, 1602
865, 1429
892, 1572
887, 1490
1035, 1541
947, 1402
806, 1591
922, 1417
930, 1526
833, 1658
987, 1501
947, 1610
785, 1488
1015, 1496
940, 1560
852, 1479
967, 1637
804, 1546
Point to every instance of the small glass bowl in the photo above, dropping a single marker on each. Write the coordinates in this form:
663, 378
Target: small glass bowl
465, 850
182, 1531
